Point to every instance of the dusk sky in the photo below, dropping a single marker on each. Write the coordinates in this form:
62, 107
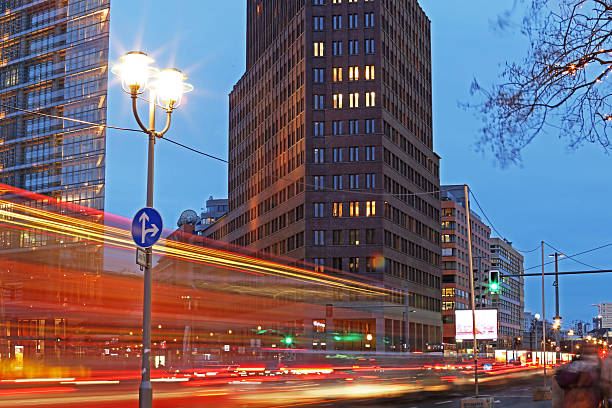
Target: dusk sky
555, 195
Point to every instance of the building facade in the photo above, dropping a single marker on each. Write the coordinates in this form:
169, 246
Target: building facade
331, 151
510, 300
54, 58
456, 293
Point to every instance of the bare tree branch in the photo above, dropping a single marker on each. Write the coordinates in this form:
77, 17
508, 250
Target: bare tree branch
561, 86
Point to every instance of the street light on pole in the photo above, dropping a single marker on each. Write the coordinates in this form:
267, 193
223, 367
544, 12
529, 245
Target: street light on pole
166, 89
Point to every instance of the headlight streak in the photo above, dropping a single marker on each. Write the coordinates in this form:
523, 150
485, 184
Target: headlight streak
79, 229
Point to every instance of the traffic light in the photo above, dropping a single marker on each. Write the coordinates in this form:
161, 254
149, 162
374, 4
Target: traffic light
288, 340
494, 281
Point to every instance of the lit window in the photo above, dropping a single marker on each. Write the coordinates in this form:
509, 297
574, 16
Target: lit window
318, 49
353, 73
370, 208
369, 72
337, 212
336, 1
354, 100
354, 209
337, 74
354, 236
371, 98
337, 101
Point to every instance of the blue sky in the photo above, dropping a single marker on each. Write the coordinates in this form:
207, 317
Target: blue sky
556, 195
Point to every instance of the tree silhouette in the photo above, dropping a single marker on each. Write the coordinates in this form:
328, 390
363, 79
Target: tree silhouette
561, 86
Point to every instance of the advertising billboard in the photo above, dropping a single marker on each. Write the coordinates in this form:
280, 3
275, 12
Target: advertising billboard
486, 324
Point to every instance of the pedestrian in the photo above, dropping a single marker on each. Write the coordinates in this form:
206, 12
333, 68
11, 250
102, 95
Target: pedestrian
579, 381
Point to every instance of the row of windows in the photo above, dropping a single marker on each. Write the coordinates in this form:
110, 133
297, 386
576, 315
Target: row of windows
400, 140
338, 100
318, 23
337, 156
402, 193
403, 271
338, 127
322, 2
369, 74
410, 248
337, 209
351, 265
264, 206
408, 171
411, 224
337, 47
276, 224
339, 182
339, 237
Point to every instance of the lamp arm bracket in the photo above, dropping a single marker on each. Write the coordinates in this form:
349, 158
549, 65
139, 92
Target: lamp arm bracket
135, 110
168, 122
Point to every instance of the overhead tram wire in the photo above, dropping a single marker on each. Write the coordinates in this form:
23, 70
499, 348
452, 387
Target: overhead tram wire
493, 226
572, 257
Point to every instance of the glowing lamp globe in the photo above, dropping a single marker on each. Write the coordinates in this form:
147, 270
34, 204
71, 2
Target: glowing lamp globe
170, 86
134, 69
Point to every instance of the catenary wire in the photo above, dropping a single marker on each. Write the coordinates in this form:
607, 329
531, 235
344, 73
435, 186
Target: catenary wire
571, 257
470, 191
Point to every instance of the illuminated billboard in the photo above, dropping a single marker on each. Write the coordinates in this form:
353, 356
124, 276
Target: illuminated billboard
486, 324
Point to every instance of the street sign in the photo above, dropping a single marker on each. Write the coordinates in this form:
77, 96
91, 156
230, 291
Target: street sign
141, 257
147, 227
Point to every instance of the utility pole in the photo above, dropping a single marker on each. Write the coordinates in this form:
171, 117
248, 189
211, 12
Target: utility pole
543, 317
469, 231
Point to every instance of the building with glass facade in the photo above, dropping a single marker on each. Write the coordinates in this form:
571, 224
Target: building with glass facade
54, 61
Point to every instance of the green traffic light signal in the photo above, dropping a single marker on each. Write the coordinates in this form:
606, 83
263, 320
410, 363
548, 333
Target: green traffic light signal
288, 340
494, 281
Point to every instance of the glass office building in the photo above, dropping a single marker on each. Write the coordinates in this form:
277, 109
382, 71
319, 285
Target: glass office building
54, 61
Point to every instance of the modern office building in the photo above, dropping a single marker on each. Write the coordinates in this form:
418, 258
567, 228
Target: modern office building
331, 153
456, 294
53, 61
510, 300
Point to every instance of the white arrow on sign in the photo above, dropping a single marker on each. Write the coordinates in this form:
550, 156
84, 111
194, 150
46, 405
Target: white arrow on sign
143, 220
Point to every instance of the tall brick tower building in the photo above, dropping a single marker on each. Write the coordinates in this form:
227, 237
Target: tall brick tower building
331, 152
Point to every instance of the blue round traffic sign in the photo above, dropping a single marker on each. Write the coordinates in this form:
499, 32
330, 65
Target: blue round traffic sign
147, 227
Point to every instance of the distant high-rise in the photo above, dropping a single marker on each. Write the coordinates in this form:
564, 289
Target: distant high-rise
456, 290
53, 60
331, 152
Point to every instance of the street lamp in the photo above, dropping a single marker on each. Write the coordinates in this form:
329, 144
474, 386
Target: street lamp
165, 87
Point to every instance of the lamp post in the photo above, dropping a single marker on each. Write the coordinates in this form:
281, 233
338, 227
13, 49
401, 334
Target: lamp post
557, 318
166, 90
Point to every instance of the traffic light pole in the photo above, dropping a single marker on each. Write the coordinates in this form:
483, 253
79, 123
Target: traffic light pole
543, 318
475, 346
